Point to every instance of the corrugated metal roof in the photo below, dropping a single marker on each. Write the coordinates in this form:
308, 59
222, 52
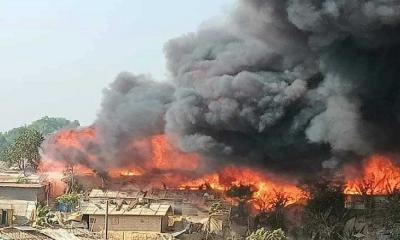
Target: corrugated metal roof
98, 193
13, 176
21, 185
18, 179
154, 209
169, 194
186, 195
59, 234
25, 228
22, 233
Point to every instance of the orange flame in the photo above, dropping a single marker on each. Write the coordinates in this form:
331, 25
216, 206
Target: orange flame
379, 176
165, 156
125, 172
74, 137
171, 165
266, 186
54, 168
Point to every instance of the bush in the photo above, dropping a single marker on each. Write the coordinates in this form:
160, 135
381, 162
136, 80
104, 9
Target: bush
71, 198
263, 234
391, 209
68, 202
325, 215
42, 214
395, 233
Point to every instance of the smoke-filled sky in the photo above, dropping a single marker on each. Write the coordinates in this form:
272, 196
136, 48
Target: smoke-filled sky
57, 56
293, 85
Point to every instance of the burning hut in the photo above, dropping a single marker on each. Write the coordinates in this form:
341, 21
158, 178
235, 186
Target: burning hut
184, 202
370, 188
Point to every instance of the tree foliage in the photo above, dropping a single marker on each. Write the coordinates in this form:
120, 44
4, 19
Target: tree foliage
11, 135
24, 152
3, 142
42, 215
263, 234
48, 125
70, 198
326, 194
391, 210
19, 146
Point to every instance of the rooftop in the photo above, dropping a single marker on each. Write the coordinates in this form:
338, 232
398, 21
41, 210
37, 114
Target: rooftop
21, 185
154, 209
98, 193
185, 195
18, 179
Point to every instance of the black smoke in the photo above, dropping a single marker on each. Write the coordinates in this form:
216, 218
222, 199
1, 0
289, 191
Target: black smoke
292, 86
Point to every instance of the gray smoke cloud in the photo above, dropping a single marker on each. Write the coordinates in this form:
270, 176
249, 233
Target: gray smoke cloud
132, 107
288, 85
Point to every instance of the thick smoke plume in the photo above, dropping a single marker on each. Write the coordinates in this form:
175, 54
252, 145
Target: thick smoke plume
292, 86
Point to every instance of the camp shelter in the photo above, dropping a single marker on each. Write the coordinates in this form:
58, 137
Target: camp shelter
147, 218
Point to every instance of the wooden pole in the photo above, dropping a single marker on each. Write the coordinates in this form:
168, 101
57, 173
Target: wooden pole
106, 222
48, 193
72, 179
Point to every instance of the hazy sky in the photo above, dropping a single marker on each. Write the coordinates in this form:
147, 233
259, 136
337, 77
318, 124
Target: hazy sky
57, 56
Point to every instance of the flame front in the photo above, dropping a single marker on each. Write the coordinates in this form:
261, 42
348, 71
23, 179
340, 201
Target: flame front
165, 164
379, 176
266, 186
166, 157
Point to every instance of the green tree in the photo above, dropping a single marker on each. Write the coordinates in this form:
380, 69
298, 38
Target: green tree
13, 134
24, 151
48, 125
42, 215
263, 234
3, 142
45, 126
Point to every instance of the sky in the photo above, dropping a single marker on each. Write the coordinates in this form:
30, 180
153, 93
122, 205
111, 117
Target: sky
56, 57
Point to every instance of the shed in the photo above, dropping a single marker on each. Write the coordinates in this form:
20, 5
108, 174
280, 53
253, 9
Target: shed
186, 202
147, 218
18, 197
6, 214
